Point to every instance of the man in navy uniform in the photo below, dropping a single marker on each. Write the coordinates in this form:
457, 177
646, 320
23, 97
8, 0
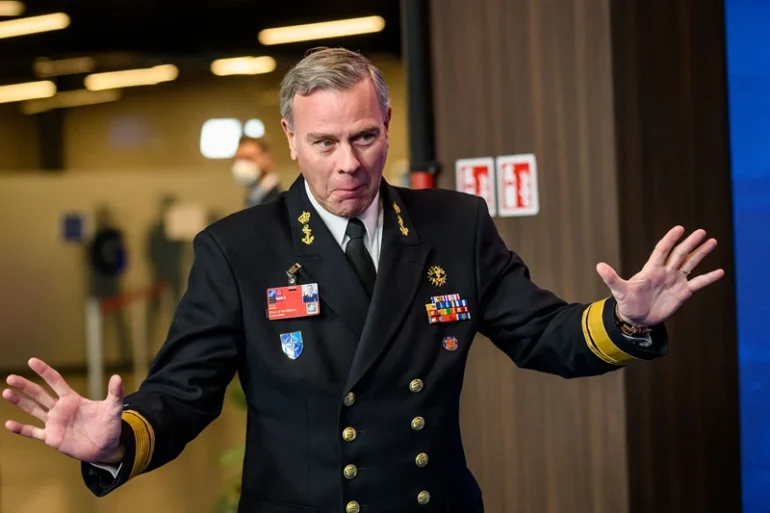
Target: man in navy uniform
354, 403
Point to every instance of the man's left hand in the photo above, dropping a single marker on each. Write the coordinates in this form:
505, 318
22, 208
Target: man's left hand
663, 285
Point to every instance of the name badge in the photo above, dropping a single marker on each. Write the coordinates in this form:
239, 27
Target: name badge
293, 301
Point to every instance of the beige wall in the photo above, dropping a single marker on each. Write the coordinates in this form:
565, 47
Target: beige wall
44, 282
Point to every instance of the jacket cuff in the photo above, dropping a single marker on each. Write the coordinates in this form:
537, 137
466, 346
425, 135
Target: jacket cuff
100, 481
142, 442
607, 342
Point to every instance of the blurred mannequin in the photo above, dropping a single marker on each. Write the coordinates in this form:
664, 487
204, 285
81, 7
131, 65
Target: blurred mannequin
253, 169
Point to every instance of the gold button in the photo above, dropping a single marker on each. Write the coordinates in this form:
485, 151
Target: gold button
421, 460
349, 434
352, 507
423, 498
418, 423
350, 398
416, 386
350, 471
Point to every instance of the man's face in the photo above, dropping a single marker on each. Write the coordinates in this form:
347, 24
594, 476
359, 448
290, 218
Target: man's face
252, 152
340, 140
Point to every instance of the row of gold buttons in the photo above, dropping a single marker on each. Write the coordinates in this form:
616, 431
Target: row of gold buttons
349, 434
418, 423
350, 471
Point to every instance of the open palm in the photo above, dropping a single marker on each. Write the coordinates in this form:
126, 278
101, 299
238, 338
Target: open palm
657, 291
73, 425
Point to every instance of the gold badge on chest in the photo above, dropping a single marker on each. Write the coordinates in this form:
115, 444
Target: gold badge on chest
436, 276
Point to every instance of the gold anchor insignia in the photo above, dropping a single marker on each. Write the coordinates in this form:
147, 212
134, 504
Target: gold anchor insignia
437, 276
396, 208
308, 238
304, 218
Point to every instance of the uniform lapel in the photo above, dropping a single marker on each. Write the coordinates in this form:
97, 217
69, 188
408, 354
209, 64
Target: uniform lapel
324, 262
400, 272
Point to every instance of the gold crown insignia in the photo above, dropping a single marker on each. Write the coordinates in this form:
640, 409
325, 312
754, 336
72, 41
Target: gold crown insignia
304, 218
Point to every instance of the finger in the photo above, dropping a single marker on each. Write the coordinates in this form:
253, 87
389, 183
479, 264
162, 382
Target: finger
32, 390
25, 404
50, 375
664, 246
115, 391
612, 280
697, 256
25, 430
705, 280
685, 248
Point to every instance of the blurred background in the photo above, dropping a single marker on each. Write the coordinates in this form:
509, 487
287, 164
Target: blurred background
119, 126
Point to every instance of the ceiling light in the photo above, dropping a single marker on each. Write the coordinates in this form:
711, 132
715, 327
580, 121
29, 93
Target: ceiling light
254, 128
27, 91
131, 77
324, 30
243, 66
34, 25
78, 98
11, 8
219, 138
48, 68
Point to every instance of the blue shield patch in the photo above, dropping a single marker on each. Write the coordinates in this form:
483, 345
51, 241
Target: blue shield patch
291, 343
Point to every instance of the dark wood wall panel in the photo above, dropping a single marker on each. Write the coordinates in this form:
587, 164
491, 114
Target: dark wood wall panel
673, 161
516, 76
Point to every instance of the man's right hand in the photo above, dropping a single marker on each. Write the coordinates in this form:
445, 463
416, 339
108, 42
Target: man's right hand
80, 428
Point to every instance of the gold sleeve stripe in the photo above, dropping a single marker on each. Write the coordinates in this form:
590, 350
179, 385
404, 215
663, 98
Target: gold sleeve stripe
144, 437
597, 338
589, 341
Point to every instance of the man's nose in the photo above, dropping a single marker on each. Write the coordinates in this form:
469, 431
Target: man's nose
349, 162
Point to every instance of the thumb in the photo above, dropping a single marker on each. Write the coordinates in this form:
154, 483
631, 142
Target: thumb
115, 391
611, 279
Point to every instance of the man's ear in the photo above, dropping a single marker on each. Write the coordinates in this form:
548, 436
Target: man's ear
291, 138
387, 120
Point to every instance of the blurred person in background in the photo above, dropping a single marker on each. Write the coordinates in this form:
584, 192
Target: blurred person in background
253, 169
356, 409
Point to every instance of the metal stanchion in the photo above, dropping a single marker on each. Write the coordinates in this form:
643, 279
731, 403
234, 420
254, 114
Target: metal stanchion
139, 345
94, 349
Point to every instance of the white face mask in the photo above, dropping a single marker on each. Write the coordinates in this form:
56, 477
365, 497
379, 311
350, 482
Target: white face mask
246, 173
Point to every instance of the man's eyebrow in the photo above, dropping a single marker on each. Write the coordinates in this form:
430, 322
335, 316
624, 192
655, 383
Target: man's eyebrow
319, 136
370, 129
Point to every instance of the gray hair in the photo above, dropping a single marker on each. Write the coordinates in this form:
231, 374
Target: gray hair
330, 68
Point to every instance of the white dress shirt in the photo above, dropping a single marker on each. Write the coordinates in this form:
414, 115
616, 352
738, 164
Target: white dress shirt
372, 219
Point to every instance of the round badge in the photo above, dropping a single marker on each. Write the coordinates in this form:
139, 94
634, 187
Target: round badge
450, 343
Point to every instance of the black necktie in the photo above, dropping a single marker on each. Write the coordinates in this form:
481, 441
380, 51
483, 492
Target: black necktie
358, 255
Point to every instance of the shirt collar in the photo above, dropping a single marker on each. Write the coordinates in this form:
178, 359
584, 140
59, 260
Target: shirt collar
338, 225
